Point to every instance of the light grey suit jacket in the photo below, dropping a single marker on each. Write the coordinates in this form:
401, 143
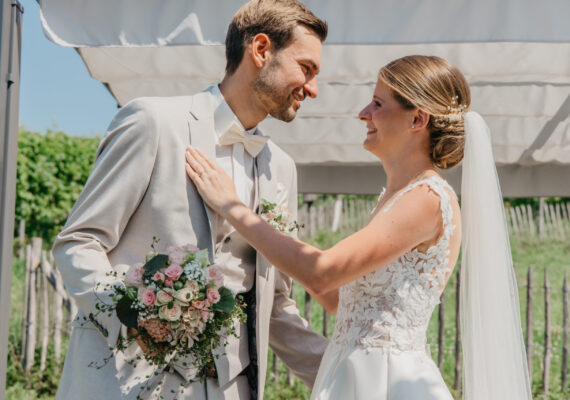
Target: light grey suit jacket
138, 189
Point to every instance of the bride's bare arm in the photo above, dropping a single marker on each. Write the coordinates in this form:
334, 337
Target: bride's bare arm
414, 219
328, 300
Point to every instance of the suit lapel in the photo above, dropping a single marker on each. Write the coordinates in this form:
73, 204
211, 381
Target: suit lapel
202, 136
266, 188
266, 181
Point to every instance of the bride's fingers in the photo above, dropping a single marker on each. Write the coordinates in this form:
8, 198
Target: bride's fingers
206, 160
194, 169
195, 162
193, 175
198, 164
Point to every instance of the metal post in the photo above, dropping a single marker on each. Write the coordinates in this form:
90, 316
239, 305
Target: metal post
10, 42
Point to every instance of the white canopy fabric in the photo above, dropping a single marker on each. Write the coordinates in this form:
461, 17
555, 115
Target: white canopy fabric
514, 53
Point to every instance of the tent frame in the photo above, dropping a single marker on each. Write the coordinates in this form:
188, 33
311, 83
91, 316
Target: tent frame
10, 51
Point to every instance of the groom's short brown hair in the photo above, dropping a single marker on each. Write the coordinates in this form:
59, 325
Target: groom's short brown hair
276, 18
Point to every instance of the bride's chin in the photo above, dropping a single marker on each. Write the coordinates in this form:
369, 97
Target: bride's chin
371, 148
368, 145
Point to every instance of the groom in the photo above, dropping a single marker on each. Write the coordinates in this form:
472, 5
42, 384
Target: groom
138, 189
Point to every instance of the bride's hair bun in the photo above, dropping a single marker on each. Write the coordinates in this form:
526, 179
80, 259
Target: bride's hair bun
434, 85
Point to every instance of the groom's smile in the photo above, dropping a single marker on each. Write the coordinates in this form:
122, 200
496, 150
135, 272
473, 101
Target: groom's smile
290, 75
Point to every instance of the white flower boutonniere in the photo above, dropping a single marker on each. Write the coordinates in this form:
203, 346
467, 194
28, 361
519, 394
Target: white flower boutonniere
278, 217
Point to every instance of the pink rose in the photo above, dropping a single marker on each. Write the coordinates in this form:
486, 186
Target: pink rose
199, 304
176, 257
172, 249
134, 275
168, 282
215, 275
190, 248
213, 295
173, 271
148, 297
158, 276
205, 314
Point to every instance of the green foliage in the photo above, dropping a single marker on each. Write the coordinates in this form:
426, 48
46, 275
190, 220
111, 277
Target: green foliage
227, 301
35, 384
52, 170
154, 265
126, 314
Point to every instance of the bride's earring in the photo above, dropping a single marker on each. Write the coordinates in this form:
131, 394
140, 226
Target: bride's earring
413, 126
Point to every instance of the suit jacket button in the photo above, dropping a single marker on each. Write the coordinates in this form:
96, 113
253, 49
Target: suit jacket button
227, 239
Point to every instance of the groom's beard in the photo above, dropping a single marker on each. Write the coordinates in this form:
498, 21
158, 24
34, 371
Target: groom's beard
279, 101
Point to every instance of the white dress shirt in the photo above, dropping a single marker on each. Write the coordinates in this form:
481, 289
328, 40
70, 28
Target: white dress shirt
233, 159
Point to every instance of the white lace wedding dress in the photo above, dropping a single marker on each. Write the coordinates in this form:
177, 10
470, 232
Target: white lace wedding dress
378, 350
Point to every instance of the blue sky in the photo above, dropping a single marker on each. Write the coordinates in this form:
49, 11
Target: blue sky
56, 91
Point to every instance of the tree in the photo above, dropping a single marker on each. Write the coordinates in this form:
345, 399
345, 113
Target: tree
52, 170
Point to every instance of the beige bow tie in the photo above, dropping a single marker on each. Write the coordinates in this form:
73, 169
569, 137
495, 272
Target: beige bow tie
252, 143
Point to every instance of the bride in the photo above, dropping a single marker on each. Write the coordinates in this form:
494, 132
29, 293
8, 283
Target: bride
386, 279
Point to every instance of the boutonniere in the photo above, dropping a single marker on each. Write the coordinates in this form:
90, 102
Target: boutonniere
278, 217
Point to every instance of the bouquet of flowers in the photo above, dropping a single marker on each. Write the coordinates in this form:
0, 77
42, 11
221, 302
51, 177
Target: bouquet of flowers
278, 217
177, 305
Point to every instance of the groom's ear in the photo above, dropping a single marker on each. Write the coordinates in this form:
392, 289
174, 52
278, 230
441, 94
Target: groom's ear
260, 49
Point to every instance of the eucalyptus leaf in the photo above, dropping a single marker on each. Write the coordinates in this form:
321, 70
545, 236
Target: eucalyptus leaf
227, 301
127, 315
155, 264
132, 292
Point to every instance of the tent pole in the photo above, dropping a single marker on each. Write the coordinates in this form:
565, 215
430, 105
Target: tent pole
11, 35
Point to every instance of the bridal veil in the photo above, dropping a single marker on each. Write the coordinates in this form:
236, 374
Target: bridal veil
494, 360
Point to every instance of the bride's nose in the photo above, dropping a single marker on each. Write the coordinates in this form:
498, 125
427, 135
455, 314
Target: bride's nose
364, 115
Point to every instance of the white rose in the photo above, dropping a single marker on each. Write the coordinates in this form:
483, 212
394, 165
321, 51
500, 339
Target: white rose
192, 285
184, 295
170, 314
164, 296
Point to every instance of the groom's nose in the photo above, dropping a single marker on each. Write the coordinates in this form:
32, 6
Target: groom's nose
310, 88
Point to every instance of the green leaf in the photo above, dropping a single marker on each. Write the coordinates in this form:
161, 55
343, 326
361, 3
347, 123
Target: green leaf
267, 206
227, 301
154, 264
132, 292
127, 315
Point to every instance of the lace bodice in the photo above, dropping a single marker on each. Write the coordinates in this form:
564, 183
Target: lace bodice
391, 307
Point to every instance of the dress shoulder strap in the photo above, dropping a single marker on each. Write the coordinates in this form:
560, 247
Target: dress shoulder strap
439, 186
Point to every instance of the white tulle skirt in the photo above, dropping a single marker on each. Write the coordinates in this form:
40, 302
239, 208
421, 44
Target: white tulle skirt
378, 374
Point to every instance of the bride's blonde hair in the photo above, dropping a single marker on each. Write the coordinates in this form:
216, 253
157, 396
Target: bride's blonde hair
434, 85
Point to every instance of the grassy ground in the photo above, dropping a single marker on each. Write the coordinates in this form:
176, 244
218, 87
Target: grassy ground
552, 255
36, 384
